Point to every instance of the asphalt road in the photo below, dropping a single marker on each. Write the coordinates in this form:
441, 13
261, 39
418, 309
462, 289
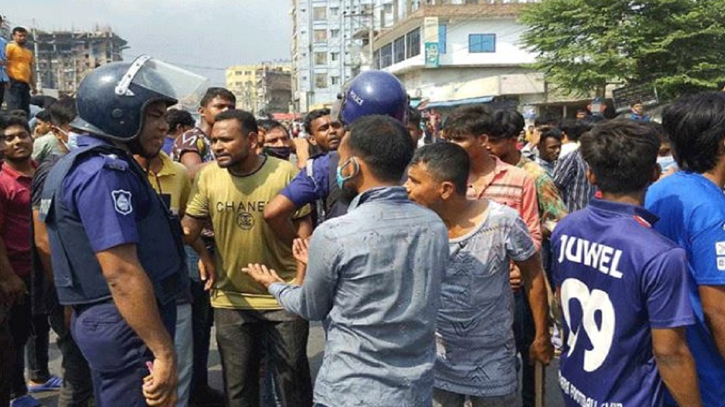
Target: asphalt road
314, 351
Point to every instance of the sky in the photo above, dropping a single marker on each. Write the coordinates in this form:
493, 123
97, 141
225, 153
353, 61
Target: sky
203, 36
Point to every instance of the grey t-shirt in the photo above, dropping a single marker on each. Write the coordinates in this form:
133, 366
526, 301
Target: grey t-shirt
45, 146
475, 342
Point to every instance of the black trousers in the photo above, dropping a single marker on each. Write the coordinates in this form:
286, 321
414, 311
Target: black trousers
7, 356
245, 337
18, 96
524, 332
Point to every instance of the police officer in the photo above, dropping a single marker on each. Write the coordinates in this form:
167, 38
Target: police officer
369, 93
117, 252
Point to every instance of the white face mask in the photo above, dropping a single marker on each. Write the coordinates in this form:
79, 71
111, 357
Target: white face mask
665, 162
72, 139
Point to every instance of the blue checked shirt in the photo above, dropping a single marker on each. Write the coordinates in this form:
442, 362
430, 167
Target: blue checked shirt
374, 275
570, 176
3, 72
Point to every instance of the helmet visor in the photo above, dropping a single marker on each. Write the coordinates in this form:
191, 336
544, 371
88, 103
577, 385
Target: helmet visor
165, 79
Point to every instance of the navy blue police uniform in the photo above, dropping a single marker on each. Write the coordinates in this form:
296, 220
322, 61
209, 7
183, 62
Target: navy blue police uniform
97, 198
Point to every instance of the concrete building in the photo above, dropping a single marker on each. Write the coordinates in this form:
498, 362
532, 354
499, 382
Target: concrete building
452, 53
244, 82
274, 86
63, 58
330, 45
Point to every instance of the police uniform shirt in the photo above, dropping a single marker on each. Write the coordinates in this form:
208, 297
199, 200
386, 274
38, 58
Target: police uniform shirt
618, 279
108, 197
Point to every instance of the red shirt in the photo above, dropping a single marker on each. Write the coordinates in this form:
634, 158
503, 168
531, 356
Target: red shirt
514, 188
16, 218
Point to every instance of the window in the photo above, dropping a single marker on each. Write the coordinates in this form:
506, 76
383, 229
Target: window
334, 56
320, 35
319, 13
386, 56
334, 33
334, 11
237, 72
478, 43
320, 80
412, 40
399, 50
335, 80
320, 58
442, 34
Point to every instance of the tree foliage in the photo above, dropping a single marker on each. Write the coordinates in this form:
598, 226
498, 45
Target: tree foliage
583, 45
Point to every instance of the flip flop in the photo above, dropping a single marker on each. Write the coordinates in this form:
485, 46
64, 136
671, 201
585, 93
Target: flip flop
25, 401
53, 383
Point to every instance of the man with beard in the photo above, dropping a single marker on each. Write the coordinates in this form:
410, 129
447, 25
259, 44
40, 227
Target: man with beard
249, 322
116, 250
193, 149
16, 176
19, 66
373, 276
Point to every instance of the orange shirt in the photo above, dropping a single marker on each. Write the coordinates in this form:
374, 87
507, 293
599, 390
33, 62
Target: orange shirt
514, 188
19, 60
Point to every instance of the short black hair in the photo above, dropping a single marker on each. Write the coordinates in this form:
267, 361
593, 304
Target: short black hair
383, 143
20, 30
695, 125
15, 121
43, 115
213, 92
548, 120
414, 117
245, 119
509, 124
270, 124
553, 132
312, 116
176, 117
445, 162
574, 128
63, 111
622, 154
476, 120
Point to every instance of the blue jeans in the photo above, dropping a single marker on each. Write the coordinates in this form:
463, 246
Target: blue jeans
183, 341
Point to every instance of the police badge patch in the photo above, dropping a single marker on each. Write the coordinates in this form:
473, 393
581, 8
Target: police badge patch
122, 201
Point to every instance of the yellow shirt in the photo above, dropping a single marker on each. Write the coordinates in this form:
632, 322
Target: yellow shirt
172, 183
236, 208
19, 60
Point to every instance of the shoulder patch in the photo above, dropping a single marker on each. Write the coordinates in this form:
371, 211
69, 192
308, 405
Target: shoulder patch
112, 162
122, 201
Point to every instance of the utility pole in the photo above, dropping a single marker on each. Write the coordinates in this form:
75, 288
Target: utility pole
38, 81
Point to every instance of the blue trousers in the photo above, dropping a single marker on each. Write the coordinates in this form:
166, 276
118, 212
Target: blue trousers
116, 355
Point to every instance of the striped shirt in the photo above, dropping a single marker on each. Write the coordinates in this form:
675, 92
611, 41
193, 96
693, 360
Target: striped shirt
570, 176
514, 188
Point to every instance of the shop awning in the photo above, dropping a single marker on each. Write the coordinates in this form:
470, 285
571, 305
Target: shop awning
461, 102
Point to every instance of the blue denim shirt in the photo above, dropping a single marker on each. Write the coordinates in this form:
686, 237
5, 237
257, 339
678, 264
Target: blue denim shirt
374, 275
3, 71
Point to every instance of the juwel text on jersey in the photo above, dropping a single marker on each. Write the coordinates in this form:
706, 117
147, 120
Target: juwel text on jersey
595, 255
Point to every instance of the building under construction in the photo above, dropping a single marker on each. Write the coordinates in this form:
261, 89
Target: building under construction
63, 57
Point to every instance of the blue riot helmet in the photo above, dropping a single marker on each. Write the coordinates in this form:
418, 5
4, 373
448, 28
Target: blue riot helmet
112, 98
372, 92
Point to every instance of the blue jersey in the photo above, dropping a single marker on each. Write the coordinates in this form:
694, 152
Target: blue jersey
108, 197
618, 279
692, 210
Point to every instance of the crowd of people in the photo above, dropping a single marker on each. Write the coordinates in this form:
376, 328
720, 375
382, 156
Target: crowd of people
444, 271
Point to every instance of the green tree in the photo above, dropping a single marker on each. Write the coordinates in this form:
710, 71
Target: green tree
584, 45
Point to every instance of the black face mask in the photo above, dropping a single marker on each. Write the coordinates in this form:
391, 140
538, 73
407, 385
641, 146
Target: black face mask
278, 152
